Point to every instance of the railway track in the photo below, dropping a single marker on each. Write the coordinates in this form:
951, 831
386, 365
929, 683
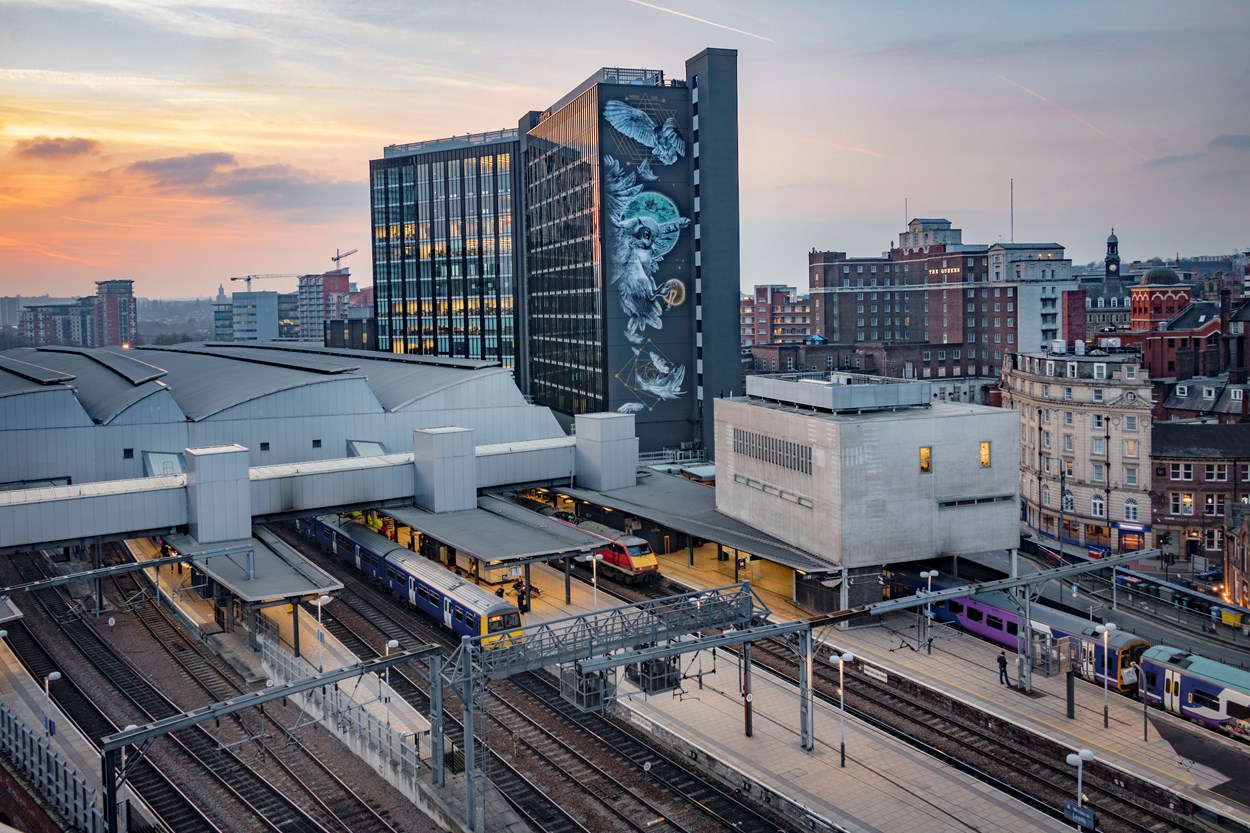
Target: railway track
610, 772
1010, 759
323, 792
261, 801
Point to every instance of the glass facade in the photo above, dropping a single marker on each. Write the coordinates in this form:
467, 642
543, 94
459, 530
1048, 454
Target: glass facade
565, 292
444, 274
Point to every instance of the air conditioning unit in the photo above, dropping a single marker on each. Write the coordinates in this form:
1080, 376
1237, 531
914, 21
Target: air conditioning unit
1059, 346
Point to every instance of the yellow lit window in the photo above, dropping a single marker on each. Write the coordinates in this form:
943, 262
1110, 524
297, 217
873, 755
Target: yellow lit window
926, 459
985, 455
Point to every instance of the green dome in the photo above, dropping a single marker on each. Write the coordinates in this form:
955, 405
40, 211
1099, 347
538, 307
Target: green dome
1161, 275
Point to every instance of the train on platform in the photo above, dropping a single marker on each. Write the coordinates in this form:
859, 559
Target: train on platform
1202, 690
459, 605
625, 557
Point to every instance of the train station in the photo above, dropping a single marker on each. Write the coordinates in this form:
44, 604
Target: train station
191, 457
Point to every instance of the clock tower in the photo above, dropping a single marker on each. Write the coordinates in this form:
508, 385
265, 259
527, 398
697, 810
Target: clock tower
1111, 263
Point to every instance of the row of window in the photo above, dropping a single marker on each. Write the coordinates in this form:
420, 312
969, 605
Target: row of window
1212, 472
1182, 503
926, 457
1071, 369
784, 453
1236, 394
1097, 505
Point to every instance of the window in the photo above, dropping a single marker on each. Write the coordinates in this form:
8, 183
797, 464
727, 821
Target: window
264, 446
1216, 471
995, 622
1213, 539
926, 459
1208, 393
1182, 503
1067, 442
1045, 391
1130, 510
1236, 394
128, 454
1050, 368
1099, 475
1067, 394
1213, 506
1130, 423
985, 455
1097, 394
1182, 390
925, 356
1067, 417
1100, 370
316, 443
1069, 505
1131, 447
1130, 371
1097, 506
1130, 475
1182, 471
1045, 495
1045, 439
1071, 370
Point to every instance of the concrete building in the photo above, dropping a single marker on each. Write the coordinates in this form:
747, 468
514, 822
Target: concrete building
319, 297
867, 471
1084, 455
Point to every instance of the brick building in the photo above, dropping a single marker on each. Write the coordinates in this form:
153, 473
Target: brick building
774, 314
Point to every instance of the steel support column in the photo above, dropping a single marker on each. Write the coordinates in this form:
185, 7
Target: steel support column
436, 718
747, 696
469, 707
807, 710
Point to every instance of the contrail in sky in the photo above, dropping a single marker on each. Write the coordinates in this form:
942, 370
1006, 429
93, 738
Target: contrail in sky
701, 20
1072, 115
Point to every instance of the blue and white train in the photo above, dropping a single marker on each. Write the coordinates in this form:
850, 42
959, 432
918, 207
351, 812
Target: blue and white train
1207, 692
460, 605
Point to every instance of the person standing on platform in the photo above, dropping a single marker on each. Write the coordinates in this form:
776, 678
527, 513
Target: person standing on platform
1002, 668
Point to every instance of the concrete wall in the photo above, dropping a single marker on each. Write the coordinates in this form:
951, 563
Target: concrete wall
869, 502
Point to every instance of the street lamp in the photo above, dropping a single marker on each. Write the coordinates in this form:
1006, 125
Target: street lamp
1105, 630
394, 643
843, 659
1079, 759
321, 640
928, 576
594, 559
52, 677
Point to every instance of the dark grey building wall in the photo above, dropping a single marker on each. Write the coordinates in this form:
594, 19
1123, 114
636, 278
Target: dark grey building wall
713, 79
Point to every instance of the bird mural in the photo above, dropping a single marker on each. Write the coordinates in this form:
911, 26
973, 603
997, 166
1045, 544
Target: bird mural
644, 226
665, 142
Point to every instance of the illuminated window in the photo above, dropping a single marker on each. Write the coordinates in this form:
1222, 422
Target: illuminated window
926, 459
985, 455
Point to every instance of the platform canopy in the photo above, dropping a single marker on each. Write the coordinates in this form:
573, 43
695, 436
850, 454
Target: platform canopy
499, 531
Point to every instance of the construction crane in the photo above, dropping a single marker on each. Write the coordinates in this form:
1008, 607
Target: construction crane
336, 257
247, 279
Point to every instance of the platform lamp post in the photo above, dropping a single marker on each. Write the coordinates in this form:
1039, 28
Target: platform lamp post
394, 643
843, 659
321, 640
1105, 630
48, 680
594, 558
1079, 759
928, 576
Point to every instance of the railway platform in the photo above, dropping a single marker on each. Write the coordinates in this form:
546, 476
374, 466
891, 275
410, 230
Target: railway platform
1198, 765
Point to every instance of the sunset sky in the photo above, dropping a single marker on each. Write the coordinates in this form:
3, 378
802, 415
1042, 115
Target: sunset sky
178, 144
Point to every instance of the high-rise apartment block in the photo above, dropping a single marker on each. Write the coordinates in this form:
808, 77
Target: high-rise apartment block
775, 315
107, 319
594, 249
320, 296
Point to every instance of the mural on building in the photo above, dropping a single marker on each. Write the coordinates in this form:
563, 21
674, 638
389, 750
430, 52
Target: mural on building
644, 226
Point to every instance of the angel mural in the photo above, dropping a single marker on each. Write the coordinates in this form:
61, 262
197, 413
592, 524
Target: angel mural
644, 227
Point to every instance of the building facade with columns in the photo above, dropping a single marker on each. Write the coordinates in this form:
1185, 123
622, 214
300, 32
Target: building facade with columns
1085, 438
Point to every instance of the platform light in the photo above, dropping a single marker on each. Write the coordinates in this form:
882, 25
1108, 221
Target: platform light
49, 728
1105, 630
1079, 759
843, 659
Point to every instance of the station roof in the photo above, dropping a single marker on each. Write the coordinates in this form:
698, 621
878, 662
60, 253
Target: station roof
498, 530
281, 572
690, 507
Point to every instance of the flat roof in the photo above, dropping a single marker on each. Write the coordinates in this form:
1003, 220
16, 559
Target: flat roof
498, 530
281, 572
690, 507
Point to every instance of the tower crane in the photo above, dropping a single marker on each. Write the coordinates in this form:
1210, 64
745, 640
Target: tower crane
247, 279
336, 257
